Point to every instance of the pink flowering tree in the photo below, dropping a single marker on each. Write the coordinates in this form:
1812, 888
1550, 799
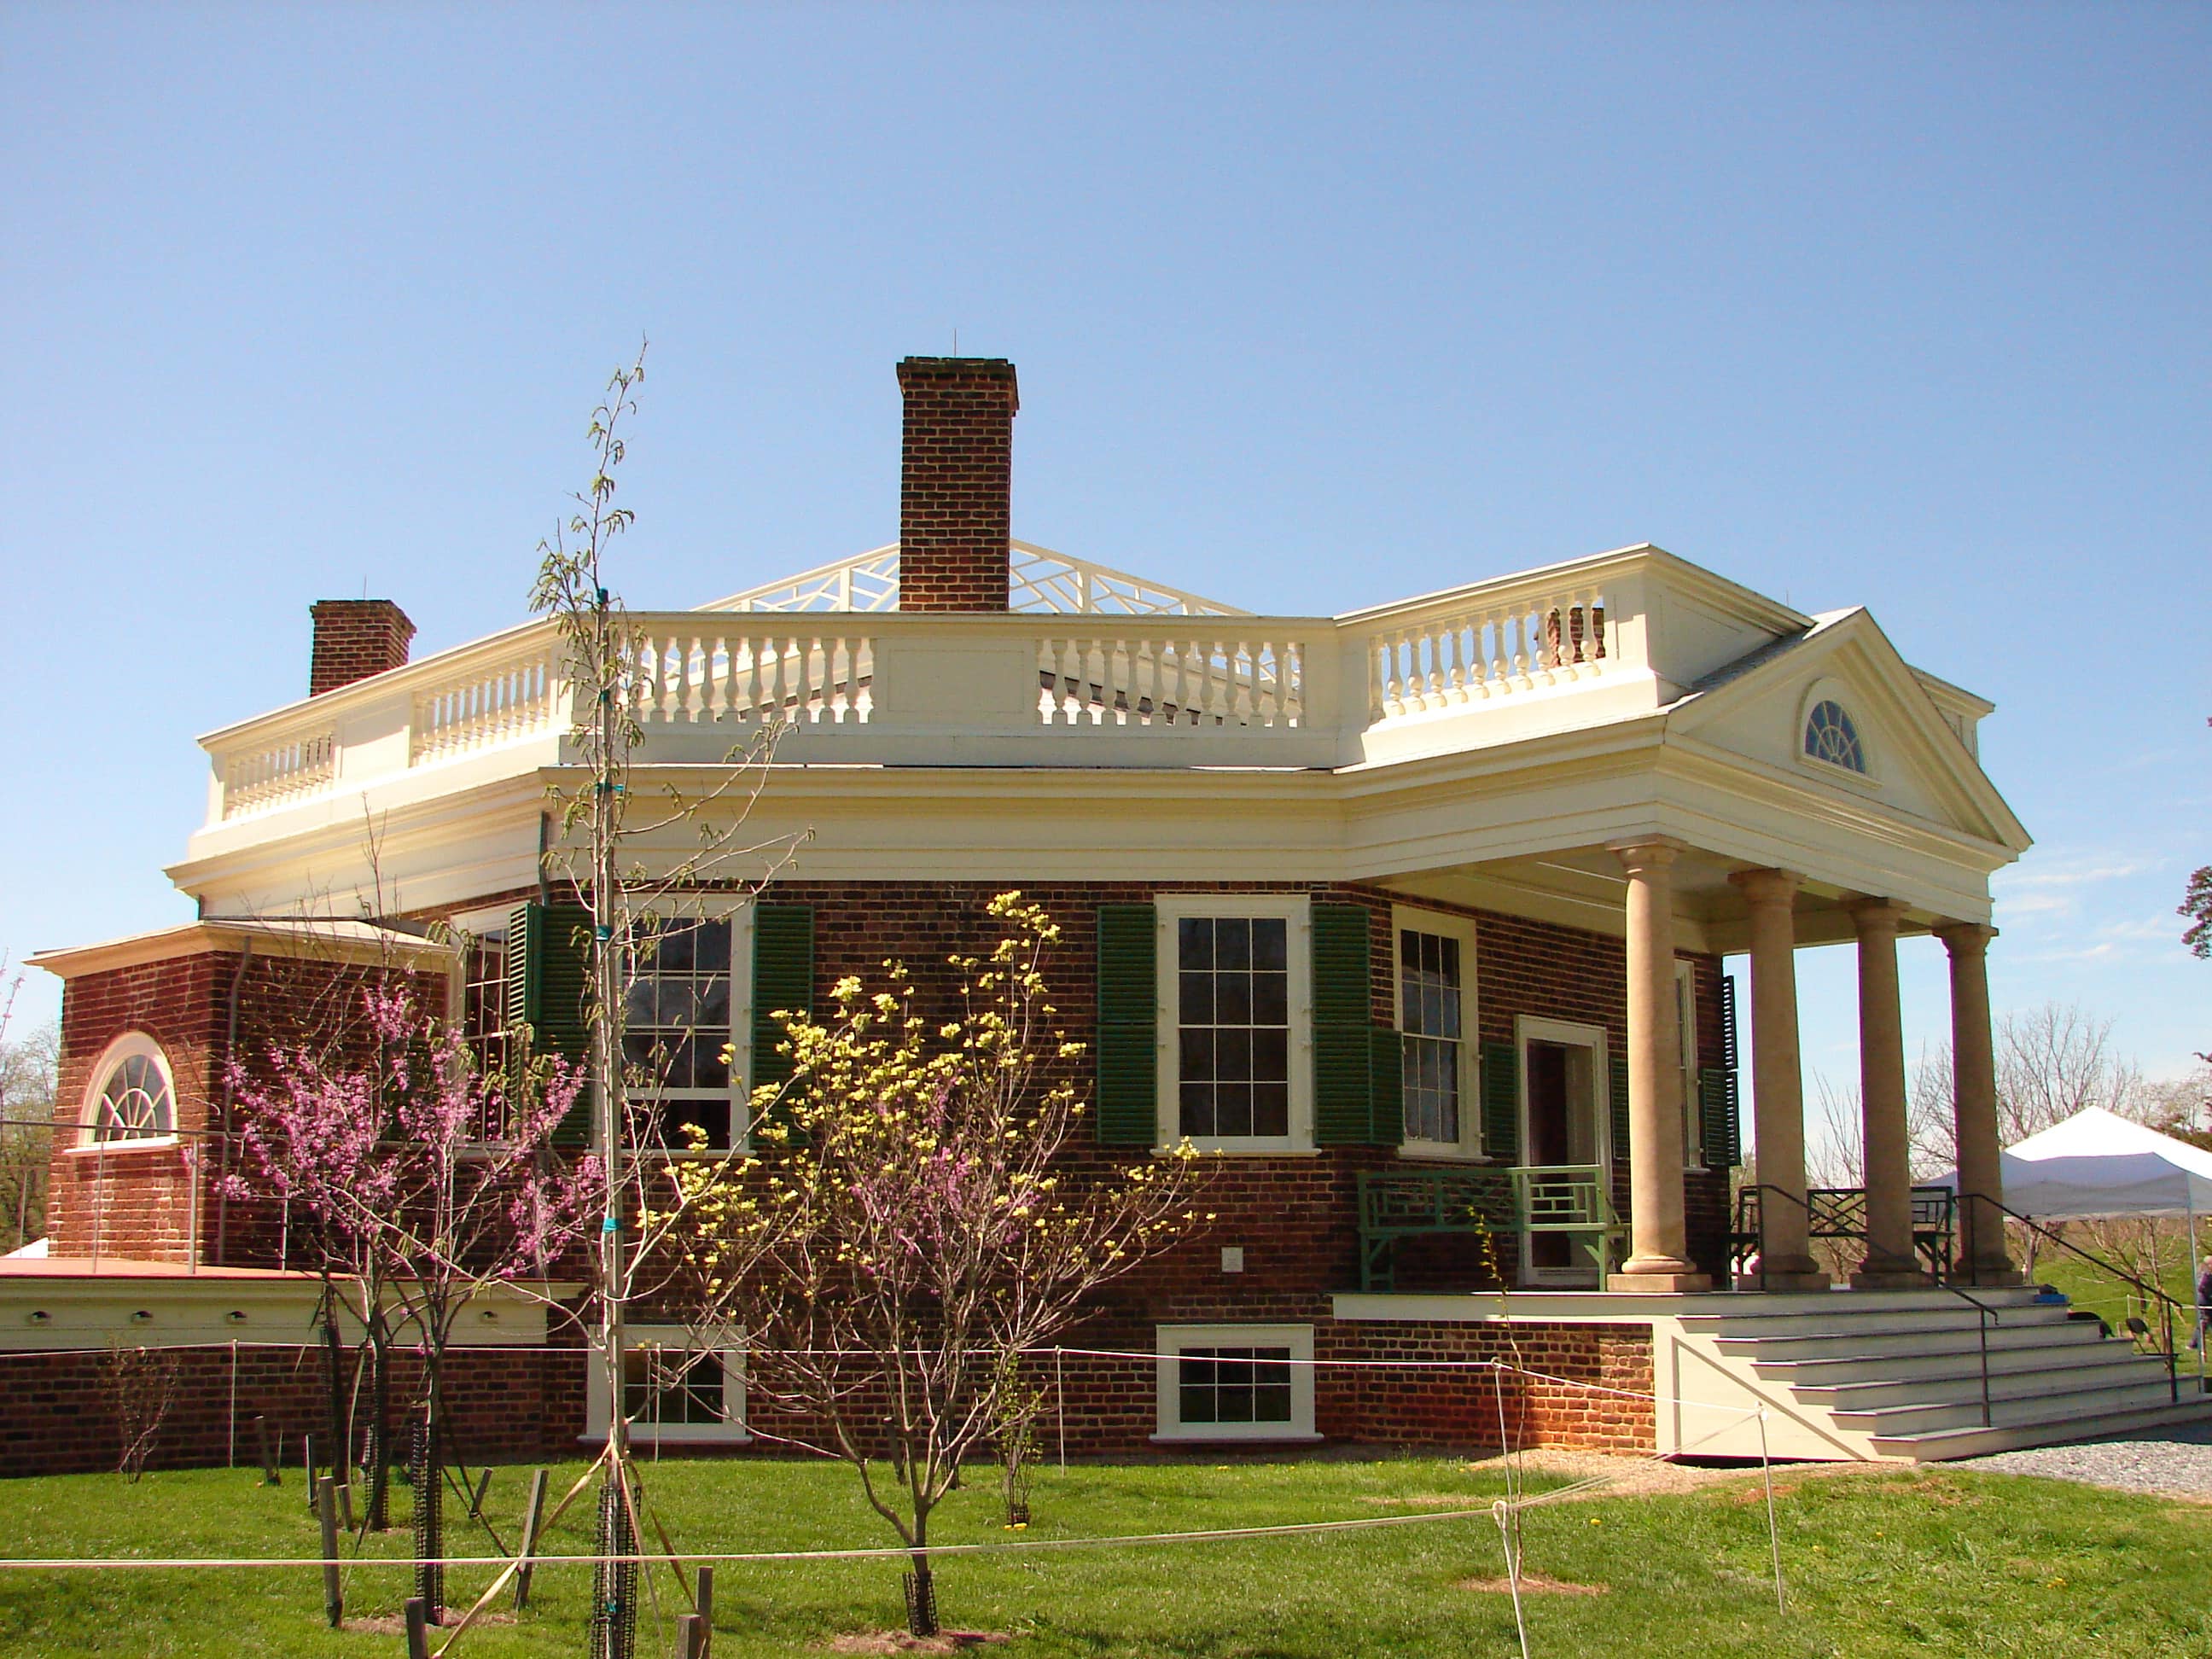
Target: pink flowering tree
422, 1180
915, 1219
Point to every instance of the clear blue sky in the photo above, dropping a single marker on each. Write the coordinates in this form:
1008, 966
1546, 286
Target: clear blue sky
1905, 307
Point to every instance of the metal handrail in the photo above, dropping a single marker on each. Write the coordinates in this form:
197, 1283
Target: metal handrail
2149, 1292
1988, 1319
1802, 1202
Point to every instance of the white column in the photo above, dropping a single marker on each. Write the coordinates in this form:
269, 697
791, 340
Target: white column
1890, 1263
1777, 1083
1981, 1244
1658, 1240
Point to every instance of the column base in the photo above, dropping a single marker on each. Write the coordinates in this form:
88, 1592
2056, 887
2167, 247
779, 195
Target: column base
1659, 1283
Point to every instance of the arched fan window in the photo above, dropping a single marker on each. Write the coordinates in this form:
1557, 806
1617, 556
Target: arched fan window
1831, 736
133, 1097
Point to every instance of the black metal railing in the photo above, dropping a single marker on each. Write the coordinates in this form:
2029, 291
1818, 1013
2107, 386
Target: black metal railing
2168, 1305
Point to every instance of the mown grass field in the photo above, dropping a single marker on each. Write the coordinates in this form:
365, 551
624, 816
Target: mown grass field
1932, 1562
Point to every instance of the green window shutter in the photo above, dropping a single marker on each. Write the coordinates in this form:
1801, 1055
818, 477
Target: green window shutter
1127, 1103
549, 980
1343, 1043
1620, 1135
1501, 1102
1386, 1079
1718, 1118
783, 978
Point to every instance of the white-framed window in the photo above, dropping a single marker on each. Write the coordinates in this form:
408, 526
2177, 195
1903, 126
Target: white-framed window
1685, 1035
678, 1387
1235, 1021
131, 1100
1236, 1383
687, 1036
1435, 1007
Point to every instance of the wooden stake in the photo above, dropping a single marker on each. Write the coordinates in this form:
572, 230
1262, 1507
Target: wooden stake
533, 1514
307, 1468
269, 1475
702, 1601
418, 1629
326, 1511
476, 1498
691, 1637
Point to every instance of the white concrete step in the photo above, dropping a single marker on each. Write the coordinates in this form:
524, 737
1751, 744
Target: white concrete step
1896, 1343
1840, 1388
1833, 1310
2073, 1405
1936, 1445
1855, 1403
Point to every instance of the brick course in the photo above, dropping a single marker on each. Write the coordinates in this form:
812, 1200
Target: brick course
355, 639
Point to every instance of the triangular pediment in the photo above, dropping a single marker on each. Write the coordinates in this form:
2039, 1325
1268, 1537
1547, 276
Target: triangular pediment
1916, 754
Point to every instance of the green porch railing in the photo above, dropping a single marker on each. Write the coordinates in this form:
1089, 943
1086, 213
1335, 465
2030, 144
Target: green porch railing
1572, 1200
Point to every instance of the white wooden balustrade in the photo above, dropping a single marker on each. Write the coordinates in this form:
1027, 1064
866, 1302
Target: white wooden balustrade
1101, 674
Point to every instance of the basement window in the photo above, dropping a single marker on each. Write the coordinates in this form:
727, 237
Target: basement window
678, 1387
1236, 1383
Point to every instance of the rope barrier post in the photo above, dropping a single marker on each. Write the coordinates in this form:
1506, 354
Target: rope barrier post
476, 1498
702, 1601
1059, 1408
307, 1470
1773, 1532
418, 1629
326, 1511
689, 1644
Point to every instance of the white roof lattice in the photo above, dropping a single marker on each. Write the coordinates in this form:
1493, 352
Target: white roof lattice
1040, 579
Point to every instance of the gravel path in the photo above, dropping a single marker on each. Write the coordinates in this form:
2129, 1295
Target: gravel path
2178, 1463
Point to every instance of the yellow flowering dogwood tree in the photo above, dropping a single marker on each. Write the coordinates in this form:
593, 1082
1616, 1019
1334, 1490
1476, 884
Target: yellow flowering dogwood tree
916, 1214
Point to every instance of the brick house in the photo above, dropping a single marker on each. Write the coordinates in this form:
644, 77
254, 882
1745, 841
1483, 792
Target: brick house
1414, 914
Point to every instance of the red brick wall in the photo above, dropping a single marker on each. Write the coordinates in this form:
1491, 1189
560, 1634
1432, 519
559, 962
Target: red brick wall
139, 1203
956, 482
57, 1414
355, 639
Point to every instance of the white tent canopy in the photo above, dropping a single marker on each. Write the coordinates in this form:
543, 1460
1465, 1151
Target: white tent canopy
2098, 1163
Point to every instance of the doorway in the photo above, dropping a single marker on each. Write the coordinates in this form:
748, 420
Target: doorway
1565, 1162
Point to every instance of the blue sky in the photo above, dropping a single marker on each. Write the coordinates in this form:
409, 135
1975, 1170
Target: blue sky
1313, 307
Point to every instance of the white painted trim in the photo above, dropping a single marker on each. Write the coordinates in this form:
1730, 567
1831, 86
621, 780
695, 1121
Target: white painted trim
1829, 689
132, 1044
1170, 1340
1406, 918
738, 912
1297, 909
1574, 1035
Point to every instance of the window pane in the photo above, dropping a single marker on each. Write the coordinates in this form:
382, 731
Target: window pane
1197, 1000
1270, 1109
1271, 1056
1232, 999
1271, 1001
1197, 1109
1271, 947
1195, 942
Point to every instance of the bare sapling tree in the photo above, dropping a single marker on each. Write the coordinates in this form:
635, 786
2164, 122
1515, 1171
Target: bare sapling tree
916, 1219
650, 875
26, 1111
141, 1389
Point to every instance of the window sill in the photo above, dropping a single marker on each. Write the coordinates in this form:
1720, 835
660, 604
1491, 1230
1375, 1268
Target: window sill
137, 1144
1436, 1151
1243, 1150
1216, 1438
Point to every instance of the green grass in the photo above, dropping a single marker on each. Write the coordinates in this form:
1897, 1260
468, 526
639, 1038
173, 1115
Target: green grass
1879, 1562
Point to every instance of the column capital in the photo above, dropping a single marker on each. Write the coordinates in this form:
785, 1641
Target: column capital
1965, 939
1876, 915
1768, 886
1646, 852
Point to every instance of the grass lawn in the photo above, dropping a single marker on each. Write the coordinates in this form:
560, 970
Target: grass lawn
1879, 1562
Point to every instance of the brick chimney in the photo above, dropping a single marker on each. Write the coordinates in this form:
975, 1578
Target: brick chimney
355, 639
956, 482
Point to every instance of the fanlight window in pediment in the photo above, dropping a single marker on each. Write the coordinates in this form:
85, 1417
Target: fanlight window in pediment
1038, 579
1831, 736
133, 1096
